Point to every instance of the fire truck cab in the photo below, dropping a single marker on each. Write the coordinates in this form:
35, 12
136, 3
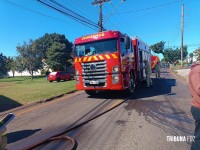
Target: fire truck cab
109, 60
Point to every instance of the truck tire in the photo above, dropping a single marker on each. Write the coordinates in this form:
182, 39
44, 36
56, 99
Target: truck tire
58, 80
130, 90
91, 92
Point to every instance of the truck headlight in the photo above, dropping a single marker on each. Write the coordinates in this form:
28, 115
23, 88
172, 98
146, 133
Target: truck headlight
77, 73
115, 69
115, 79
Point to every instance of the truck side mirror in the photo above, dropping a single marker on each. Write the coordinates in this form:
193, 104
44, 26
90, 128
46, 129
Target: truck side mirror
127, 41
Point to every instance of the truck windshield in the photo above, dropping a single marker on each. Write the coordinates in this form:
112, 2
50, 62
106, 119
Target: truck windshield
98, 47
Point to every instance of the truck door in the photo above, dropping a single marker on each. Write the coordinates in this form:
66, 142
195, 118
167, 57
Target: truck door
141, 64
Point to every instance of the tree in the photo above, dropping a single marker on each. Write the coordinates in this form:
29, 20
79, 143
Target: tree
191, 55
45, 42
158, 47
56, 56
3, 65
12, 66
31, 56
20, 67
15, 64
197, 54
173, 55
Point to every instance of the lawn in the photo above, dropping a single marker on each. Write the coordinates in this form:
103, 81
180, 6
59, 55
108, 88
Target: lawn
23, 90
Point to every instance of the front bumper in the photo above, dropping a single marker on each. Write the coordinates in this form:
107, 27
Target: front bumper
109, 84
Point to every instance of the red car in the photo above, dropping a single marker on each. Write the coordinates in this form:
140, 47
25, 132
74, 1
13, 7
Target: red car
58, 76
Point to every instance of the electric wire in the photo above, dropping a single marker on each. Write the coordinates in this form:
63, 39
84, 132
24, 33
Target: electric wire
39, 13
81, 124
31, 10
128, 27
76, 17
154, 7
175, 34
118, 22
75, 127
111, 23
86, 8
68, 14
73, 13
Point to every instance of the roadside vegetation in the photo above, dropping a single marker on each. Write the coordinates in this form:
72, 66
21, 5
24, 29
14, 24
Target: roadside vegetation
24, 90
51, 51
178, 66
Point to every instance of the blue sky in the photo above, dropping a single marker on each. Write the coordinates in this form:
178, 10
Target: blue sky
152, 20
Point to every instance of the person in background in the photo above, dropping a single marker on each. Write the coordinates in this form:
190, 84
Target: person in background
47, 73
194, 85
3, 139
147, 68
157, 70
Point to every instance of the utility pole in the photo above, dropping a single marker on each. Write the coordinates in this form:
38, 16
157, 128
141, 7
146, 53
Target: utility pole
182, 31
100, 2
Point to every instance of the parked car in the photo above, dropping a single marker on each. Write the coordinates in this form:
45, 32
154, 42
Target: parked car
58, 76
163, 65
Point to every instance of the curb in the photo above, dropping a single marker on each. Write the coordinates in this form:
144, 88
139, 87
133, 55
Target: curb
34, 103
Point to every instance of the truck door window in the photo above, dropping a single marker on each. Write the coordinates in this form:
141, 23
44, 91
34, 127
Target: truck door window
132, 48
122, 47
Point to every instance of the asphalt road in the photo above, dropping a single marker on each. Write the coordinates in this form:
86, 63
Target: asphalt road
151, 119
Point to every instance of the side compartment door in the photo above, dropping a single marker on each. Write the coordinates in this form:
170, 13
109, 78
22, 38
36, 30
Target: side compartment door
141, 64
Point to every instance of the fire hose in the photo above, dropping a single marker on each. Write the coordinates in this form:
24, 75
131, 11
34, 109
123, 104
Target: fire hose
73, 141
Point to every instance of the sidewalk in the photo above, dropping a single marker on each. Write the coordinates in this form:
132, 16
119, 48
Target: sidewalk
183, 73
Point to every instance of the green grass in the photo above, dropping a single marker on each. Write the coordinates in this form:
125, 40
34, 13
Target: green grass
179, 67
23, 90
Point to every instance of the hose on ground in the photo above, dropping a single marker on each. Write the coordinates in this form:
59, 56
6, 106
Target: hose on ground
74, 143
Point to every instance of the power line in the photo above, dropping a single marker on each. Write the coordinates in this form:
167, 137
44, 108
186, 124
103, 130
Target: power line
36, 12
125, 23
117, 27
73, 13
188, 45
81, 7
67, 12
31, 10
143, 9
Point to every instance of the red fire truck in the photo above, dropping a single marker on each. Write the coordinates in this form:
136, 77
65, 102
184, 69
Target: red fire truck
109, 60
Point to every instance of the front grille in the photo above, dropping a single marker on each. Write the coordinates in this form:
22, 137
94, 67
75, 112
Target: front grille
94, 77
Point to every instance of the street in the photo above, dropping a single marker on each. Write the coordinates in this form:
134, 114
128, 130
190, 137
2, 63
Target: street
151, 119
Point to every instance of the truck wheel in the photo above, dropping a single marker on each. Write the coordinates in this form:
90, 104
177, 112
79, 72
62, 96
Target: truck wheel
58, 80
132, 84
90, 92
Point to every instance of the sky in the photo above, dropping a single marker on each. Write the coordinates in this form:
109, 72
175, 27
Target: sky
151, 20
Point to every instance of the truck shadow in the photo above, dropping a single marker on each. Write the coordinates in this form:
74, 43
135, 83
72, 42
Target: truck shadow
159, 87
162, 112
111, 95
155, 90
7, 103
